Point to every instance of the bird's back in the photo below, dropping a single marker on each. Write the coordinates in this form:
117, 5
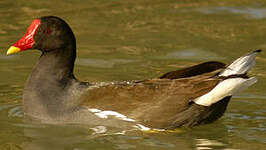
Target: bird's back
155, 102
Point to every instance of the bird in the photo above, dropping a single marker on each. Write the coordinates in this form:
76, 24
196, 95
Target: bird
187, 97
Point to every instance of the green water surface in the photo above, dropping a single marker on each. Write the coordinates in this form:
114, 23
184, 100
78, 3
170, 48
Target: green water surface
138, 39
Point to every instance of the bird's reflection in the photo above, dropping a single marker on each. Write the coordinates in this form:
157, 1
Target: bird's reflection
55, 137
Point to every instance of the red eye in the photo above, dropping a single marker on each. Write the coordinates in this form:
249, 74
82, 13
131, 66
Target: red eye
48, 31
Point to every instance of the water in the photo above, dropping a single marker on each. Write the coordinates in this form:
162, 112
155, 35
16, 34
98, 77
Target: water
124, 40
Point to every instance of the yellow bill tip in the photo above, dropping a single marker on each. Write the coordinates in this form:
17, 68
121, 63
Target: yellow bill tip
12, 50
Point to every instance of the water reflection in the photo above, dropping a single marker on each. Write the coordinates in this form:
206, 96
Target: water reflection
57, 138
188, 54
252, 13
54, 137
16, 112
204, 144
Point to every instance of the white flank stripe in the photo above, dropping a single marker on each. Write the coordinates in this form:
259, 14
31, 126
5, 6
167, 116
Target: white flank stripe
105, 114
94, 110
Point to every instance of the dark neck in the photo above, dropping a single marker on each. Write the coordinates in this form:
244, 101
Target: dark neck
47, 86
57, 64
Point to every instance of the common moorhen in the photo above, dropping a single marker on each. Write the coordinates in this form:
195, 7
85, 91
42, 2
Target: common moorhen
187, 97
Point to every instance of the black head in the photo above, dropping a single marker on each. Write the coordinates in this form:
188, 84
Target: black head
47, 33
53, 33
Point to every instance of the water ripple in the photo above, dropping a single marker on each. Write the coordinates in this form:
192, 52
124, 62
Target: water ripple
253, 13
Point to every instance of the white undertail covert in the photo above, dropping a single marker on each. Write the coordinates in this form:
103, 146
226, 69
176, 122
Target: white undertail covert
230, 86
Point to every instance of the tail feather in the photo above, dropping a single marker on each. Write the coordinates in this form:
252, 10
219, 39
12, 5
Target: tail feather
231, 85
241, 65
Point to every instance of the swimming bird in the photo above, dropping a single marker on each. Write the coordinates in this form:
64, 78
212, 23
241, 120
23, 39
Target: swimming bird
184, 98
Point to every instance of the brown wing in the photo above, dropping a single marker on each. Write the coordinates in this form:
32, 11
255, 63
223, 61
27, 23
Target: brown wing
194, 70
152, 102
